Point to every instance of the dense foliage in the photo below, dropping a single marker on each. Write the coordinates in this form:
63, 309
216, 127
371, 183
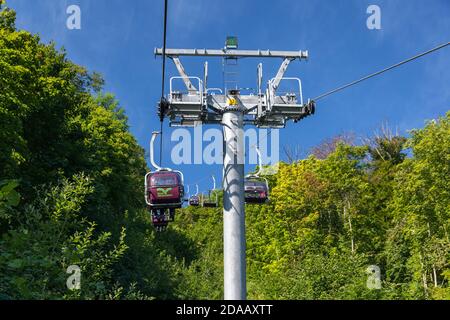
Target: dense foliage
70, 182
330, 219
71, 194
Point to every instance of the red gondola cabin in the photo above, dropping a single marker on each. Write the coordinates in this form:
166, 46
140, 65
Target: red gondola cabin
194, 201
164, 189
256, 191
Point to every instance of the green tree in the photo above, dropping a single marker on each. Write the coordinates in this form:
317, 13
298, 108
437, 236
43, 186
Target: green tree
418, 245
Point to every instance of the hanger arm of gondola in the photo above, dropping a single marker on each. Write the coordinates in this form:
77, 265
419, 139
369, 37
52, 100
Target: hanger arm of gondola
152, 153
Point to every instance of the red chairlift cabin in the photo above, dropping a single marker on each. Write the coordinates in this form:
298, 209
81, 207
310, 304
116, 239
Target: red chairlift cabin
164, 189
256, 191
194, 201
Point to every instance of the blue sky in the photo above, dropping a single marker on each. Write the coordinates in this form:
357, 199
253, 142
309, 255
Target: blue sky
118, 37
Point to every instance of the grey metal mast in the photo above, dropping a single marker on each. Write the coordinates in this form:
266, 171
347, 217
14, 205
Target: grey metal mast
197, 104
233, 204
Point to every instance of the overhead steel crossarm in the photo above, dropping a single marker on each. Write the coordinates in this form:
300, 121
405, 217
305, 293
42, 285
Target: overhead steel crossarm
184, 76
280, 73
233, 53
